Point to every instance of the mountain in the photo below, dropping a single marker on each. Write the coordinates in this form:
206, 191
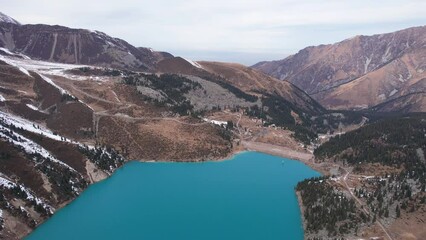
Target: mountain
155, 56
65, 126
76, 46
75, 105
241, 77
276, 103
361, 72
6, 19
253, 81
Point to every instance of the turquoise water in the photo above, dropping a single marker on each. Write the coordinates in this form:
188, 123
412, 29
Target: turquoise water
250, 197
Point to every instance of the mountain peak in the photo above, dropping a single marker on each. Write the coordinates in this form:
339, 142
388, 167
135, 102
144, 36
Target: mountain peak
5, 18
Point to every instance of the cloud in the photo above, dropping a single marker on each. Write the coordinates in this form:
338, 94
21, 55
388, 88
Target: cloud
246, 26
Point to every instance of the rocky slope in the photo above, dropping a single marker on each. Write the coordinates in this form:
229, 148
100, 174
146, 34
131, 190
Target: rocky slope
361, 72
77, 46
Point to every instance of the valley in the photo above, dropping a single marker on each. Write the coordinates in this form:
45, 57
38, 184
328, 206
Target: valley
92, 120
76, 105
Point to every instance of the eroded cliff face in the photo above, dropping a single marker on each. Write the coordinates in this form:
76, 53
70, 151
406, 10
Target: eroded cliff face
77, 46
360, 72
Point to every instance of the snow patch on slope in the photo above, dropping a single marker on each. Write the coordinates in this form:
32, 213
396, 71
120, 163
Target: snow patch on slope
367, 62
53, 84
33, 107
19, 63
42, 67
393, 92
5, 183
6, 51
195, 64
15, 54
2, 99
12, 63
29, 146
387, 55
30, 126
216, 122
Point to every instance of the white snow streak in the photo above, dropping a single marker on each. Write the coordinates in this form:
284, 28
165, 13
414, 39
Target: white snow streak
12, 63
393, 92
30, 126
116, 97
195, 64
367, 62
53, 84
43, 67
6, 51
8, 184
33, 107
31, 147
216, 122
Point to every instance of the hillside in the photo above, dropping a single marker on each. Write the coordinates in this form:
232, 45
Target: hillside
360, 72
85, 121
77, 46
62, 128
246, 79
380, 169
278, 103
255, 82
69, 125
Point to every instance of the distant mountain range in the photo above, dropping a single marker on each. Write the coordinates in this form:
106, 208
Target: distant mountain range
386, 72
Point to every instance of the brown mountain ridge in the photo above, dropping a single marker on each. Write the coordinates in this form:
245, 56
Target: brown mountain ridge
361, 72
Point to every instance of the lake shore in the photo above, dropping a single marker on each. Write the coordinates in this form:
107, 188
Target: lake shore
302, 213
281, 151
247, 176
304, 157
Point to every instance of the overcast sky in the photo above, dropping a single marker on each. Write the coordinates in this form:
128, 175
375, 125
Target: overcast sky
242, 31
